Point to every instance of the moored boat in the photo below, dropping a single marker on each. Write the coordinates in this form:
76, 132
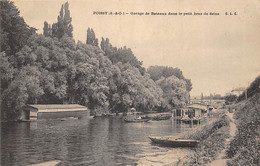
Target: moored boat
188, 120
112, 114
69, 118
161, 118
48, 163
136, 120
26, 120
174, 142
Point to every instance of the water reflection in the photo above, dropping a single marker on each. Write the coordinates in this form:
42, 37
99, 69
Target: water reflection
99, 141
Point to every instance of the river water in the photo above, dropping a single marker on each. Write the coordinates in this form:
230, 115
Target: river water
99, 141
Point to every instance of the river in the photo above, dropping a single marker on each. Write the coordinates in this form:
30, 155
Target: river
98, 141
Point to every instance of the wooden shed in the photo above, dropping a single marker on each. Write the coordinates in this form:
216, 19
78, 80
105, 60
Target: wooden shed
190, 111
51, 111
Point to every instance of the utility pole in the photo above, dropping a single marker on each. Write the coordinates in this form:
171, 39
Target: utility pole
246, 90
189, 97
246, 93
210, 99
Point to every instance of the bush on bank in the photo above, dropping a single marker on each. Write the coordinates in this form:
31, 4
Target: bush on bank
212, 136
204, 131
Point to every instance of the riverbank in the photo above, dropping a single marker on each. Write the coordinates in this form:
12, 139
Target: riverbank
245, 147
212, 135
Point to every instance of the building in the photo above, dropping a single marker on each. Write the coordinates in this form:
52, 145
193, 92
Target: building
190, 111
51, 111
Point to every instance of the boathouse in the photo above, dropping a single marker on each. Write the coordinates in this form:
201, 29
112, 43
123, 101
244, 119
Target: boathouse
190, 111
186, 112
51, 111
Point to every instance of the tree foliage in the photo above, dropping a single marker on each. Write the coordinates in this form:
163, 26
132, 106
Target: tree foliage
230, 99
156, 72
137, 90
14, 31
52, 68
123, 55
174, 91
91, 37
62, 26
47, 31
251, 90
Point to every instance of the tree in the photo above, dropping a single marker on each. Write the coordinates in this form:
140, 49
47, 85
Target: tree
174, 90
123, 55
230, 99
47, 31
67, 21
109, 50
103, 44
91, 37
63, 26
188, 84
156, 72
135, 90
25, 88
14, 31
173, 97
253, 89
6, 72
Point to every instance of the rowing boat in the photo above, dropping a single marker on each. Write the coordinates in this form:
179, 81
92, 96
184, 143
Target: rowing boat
136, 120
174, 142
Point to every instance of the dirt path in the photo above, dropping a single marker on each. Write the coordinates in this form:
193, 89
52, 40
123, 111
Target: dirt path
220, 160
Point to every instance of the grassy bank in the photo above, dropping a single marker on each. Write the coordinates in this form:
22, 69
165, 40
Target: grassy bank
245, 148
212, 136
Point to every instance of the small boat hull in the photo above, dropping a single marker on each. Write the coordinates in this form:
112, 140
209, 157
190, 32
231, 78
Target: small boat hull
48, 163
69, 118
189, 120
174, 142
25, 120
136, 120
161, 118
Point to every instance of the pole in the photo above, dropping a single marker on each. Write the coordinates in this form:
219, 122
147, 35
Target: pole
246, 90
246, 93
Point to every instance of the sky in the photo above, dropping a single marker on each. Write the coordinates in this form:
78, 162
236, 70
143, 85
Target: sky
217, 52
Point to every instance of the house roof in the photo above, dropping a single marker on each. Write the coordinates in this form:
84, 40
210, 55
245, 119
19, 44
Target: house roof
58, 107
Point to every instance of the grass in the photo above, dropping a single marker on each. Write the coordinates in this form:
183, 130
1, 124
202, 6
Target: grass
204, 131
212, 135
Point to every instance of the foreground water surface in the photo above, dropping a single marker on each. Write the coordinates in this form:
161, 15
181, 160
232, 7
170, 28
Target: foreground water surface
98, 141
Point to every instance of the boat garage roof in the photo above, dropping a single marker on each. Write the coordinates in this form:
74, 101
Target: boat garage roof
58, 107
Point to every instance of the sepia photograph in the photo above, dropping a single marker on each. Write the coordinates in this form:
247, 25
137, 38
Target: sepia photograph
130, 83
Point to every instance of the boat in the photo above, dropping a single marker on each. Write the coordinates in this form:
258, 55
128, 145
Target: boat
136, 120
161, 118
48, 163
69, 118
112, 114
174, 142
188, 120
26, 120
